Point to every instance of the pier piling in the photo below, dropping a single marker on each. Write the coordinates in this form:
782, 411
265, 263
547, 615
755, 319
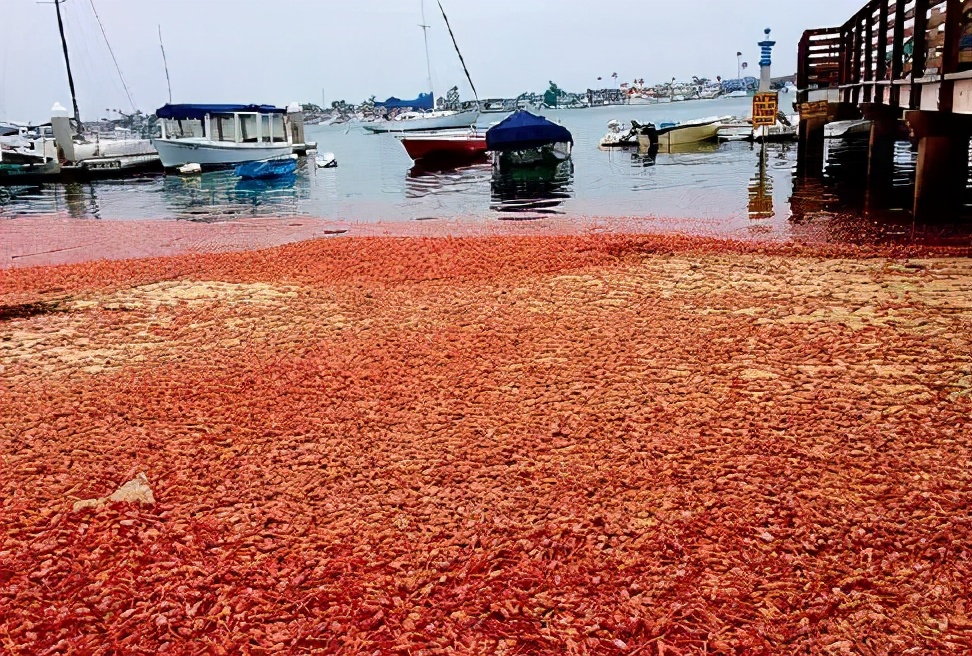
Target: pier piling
894, 61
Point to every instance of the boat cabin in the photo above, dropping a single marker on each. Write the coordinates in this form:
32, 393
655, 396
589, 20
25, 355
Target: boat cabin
242, 124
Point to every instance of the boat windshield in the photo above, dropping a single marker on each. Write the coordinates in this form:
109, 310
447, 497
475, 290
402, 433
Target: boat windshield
262, 128
184, 128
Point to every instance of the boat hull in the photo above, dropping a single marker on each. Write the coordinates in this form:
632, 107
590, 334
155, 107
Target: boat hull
18, 174
274, 168
680, 136
209, 154
464, 147
450, 122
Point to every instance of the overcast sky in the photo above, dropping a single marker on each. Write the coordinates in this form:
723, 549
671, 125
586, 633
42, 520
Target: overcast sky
277, 51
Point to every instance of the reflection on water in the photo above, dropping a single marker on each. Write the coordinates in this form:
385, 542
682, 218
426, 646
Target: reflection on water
761, 193
534, 190
220, 195
422, 182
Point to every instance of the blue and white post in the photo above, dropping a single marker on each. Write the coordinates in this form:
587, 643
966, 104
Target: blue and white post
765, 61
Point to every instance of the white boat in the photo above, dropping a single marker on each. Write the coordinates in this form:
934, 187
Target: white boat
423, 121
736, 130
430, 118
680, 134
845, 129
737, 94
221, 135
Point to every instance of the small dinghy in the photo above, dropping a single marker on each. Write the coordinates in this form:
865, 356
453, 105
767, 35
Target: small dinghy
325, 161
267, 168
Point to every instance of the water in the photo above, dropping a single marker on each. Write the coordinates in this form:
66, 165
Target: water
730, 189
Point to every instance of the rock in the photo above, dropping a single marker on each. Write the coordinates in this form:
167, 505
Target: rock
136, 490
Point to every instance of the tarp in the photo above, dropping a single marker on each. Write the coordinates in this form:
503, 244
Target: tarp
523, 130
424, 101
198, 112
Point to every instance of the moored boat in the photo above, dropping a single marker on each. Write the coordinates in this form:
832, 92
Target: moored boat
270, 168
845, 129
678, 134
221, 135
425, 121
459, 145
620, 135
524, 139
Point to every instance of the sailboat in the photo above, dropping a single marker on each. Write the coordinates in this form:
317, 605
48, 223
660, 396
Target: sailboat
435, 119
90, 158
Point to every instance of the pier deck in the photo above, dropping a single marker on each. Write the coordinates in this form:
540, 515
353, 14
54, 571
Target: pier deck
892, 61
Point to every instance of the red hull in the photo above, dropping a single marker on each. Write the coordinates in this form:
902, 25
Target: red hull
419, 148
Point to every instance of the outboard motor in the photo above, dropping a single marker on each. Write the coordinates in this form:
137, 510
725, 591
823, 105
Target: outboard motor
651, 132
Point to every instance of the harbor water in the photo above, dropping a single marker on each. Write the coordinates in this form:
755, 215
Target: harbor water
735, 190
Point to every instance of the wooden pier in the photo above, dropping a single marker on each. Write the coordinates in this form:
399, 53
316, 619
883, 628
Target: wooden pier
902, 65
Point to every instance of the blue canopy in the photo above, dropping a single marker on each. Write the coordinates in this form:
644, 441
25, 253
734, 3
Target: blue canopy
198, 112
522, 130
424, 101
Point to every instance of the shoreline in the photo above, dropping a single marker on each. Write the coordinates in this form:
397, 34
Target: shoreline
54, 240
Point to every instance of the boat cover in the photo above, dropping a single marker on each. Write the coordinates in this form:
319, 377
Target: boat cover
424, 101
198, 112
522, 130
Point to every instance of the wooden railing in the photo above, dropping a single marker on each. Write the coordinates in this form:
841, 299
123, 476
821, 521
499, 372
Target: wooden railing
886, 51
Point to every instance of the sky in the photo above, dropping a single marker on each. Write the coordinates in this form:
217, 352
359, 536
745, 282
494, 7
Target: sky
279, 51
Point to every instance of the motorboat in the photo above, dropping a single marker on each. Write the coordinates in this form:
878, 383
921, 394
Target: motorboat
457, 145
426, 121
668, 135
325, 161
785, 129
736, 129
268, 168
525, 139
221, 135
620, 135
847, 129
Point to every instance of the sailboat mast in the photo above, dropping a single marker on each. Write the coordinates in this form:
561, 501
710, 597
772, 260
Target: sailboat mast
165, 63
456, 45
67, 62
428, 61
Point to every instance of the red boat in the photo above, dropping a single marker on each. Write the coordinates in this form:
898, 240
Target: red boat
446, 145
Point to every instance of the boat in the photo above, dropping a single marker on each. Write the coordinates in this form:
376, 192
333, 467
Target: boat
444, 146
27, 171
620, 135
426, 121
669, 135
525, 139
739, 93
268, 168
785, 129
846, 129
325, 161
221, 135
424, 116
736, 129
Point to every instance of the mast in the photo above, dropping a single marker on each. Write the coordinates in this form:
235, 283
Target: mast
166, 64
428, 61
456, 45
67, 62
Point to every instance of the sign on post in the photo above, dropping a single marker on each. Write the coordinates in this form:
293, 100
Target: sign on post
765, 106
816, 109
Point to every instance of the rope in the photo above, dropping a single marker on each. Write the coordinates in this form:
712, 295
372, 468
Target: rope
112, 52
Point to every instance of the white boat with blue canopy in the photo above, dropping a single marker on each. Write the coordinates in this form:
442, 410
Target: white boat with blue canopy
221, 135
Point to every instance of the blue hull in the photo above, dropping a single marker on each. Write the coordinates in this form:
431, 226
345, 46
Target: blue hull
272, 168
